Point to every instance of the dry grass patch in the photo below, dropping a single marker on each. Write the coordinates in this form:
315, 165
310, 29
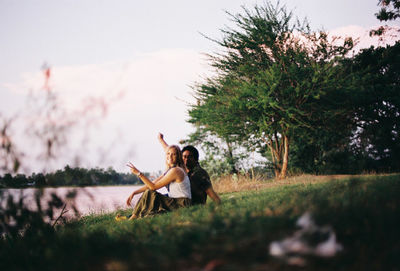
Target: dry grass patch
236, 183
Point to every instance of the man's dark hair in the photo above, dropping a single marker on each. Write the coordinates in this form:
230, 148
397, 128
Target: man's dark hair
193, 151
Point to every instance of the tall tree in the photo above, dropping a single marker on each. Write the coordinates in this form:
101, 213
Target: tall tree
274, 77
390, 10
378, 106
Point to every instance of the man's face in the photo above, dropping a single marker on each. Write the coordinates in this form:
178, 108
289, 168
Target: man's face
188, 159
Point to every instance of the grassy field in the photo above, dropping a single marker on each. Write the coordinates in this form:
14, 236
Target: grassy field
362, 211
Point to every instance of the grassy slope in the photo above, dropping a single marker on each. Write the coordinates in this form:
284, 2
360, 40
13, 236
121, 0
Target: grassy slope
363, 211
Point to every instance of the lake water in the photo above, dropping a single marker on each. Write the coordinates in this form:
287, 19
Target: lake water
88, 200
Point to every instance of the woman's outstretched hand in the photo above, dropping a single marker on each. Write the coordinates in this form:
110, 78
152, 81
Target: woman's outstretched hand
134, 170
129, 200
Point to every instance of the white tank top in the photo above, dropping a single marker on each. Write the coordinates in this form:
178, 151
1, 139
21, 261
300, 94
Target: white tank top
180, 190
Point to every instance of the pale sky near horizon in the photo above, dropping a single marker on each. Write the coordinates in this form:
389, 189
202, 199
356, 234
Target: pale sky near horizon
151, 51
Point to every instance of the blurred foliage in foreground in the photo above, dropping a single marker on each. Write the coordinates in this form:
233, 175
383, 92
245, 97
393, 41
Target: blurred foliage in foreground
362, 211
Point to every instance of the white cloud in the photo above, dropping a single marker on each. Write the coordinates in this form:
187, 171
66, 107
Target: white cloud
364, 39
142, 97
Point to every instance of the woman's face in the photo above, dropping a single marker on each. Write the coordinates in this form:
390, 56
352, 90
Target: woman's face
172, 156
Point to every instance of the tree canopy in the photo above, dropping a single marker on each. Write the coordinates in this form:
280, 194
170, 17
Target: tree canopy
390, 10
274, 77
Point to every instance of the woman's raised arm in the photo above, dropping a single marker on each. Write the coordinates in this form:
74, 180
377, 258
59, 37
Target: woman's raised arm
162, 141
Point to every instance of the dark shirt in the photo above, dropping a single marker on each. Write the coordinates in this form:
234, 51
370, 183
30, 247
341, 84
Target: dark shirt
199, 183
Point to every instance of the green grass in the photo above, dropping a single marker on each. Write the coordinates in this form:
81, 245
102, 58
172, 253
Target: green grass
363, 211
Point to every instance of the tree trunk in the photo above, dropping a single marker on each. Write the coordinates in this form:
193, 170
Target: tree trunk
275, 154
280, 155
283, 172
231, 160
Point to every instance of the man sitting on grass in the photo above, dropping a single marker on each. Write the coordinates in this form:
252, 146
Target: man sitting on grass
200, 183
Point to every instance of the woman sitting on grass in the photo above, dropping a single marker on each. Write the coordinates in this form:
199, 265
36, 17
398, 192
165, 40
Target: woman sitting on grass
175, 178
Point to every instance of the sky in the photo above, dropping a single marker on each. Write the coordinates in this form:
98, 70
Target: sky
136, 60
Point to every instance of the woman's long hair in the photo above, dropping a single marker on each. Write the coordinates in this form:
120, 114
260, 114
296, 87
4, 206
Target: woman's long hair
179, 158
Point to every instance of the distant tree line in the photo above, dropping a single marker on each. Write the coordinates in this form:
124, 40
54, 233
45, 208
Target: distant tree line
69, 177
